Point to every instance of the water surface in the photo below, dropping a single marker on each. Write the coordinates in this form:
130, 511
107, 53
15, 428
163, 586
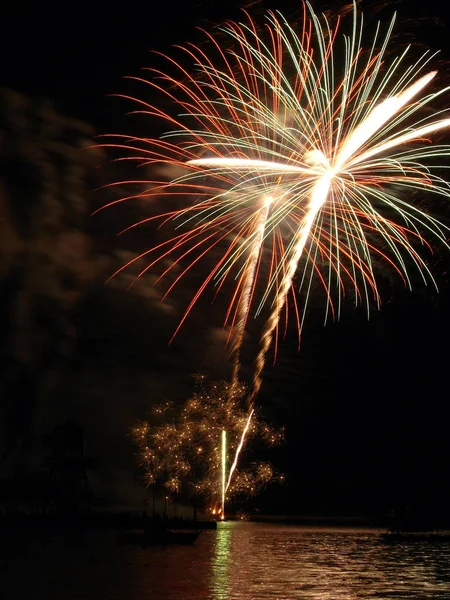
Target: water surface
239, 561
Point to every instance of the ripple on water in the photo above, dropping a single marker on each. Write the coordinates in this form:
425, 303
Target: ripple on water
239, 561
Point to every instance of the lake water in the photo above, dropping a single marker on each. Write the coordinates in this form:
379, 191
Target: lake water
239, 561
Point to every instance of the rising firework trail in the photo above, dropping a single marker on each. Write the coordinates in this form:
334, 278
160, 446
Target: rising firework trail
249, 281
342, 148
240, 446
224, 470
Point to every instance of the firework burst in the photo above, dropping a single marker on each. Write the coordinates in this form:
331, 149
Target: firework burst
297, 142
183, 448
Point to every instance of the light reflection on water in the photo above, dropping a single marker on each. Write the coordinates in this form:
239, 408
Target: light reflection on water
290, 563
239, 561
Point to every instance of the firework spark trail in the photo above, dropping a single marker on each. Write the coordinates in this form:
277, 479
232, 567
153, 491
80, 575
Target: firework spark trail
249, 280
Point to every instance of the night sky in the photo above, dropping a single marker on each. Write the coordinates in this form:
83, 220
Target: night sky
365, 403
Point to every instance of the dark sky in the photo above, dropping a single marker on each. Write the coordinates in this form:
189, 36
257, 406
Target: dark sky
365, 403
80, 54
